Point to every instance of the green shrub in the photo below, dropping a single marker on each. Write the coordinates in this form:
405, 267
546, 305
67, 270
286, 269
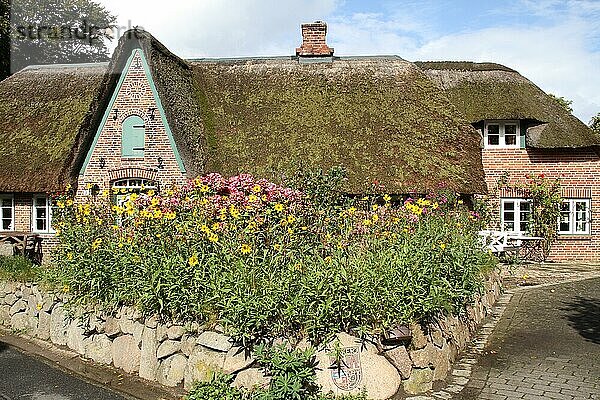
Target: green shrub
218, 388
17, 268
266, 261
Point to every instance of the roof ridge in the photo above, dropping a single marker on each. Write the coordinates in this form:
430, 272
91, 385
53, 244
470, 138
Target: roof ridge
55, 66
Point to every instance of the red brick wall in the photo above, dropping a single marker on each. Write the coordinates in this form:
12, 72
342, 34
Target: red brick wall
313, 40
578, 171
135, 97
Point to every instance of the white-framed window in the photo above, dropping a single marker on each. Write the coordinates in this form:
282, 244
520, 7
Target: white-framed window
41, 214
123, 188
575, 217
7, 212
515, 214
502, 134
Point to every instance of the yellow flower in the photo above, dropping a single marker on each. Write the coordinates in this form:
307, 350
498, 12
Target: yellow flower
157, 214
234, 211
351, 210
204, 228
252, 198
130, 211
213, 238
69, 256
105, 193
278, 207
170, 215
39, 306
256, 188
387, 198
65, 289
367, 222
375, 217
277, 246
151, 193
155, 201
245, 249
327, 259
69, 203
193, 260
290, 231
291, 219
216, 226
96, 243
88, 186
443, 246
60, 204
374, 207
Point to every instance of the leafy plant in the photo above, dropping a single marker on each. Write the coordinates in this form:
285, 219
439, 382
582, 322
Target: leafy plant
292, 371
218, 388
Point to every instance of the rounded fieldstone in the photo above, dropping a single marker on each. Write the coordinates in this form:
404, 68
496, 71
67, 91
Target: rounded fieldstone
172, 370
126, 353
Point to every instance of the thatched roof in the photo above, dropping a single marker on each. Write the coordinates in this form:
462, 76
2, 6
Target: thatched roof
41, 111
491, 91
379, 117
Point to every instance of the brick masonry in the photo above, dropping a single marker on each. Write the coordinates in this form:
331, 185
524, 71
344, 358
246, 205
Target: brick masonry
578, 171
135, 97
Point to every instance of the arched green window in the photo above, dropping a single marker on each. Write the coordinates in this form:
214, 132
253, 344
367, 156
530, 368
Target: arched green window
132, 141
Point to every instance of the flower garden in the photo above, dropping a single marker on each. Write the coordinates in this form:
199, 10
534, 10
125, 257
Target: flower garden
263, 261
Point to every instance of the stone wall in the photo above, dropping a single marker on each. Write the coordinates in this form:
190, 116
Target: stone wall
177, 354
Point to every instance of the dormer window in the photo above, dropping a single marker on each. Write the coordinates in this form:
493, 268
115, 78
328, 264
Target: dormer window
133, 138
502, 134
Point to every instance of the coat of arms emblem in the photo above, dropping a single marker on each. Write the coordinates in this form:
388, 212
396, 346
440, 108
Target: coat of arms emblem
346, 371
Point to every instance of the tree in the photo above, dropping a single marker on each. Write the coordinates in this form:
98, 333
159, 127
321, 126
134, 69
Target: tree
595, 123
564, 103
48, 32
4, 41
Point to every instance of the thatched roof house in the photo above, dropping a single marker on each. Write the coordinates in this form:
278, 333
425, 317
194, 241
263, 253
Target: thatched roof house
487, 91
380, 117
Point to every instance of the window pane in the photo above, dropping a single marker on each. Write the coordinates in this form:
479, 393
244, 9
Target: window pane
7, 213
40, 224
6, 202
509, 216
580, 206
510, 140
565, 206
493, 129
525, 206
509, 226
40, 201
510, 130
564, 225
509, 205
493, 140
40, 213
6, 224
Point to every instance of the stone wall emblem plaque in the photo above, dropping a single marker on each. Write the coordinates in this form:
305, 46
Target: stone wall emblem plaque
347, 373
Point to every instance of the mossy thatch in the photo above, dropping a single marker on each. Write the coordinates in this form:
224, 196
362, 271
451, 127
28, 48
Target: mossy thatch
483, 91
41, 111
379, 117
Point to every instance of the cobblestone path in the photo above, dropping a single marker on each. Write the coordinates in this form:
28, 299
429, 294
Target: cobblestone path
545, 346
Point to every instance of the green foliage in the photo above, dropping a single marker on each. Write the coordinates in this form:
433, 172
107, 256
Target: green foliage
595, 123
545, 210
17, 268
265, 261
292, 375
292, 372
218, 388
323, 188
564, 103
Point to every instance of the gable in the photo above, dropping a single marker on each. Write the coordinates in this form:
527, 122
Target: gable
134, 96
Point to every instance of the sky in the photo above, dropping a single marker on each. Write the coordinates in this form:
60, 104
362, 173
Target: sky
555, 44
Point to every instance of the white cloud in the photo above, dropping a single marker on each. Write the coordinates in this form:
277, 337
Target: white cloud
222, 28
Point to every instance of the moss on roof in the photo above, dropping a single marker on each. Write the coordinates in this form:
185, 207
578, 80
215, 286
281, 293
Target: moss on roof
41, 112
492, 91
380, 118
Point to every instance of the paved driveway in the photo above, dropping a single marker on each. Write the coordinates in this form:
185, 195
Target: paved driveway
27, 378
546, 346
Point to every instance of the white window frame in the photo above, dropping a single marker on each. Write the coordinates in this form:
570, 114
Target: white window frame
11, 227
572, 217
517, 213
47, 207
502, 132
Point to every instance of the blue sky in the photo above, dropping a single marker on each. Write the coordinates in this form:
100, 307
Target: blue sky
556, 44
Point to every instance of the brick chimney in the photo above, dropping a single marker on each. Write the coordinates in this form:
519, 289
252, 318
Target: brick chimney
313, 41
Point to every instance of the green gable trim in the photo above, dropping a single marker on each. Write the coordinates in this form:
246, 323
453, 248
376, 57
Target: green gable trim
112, 102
